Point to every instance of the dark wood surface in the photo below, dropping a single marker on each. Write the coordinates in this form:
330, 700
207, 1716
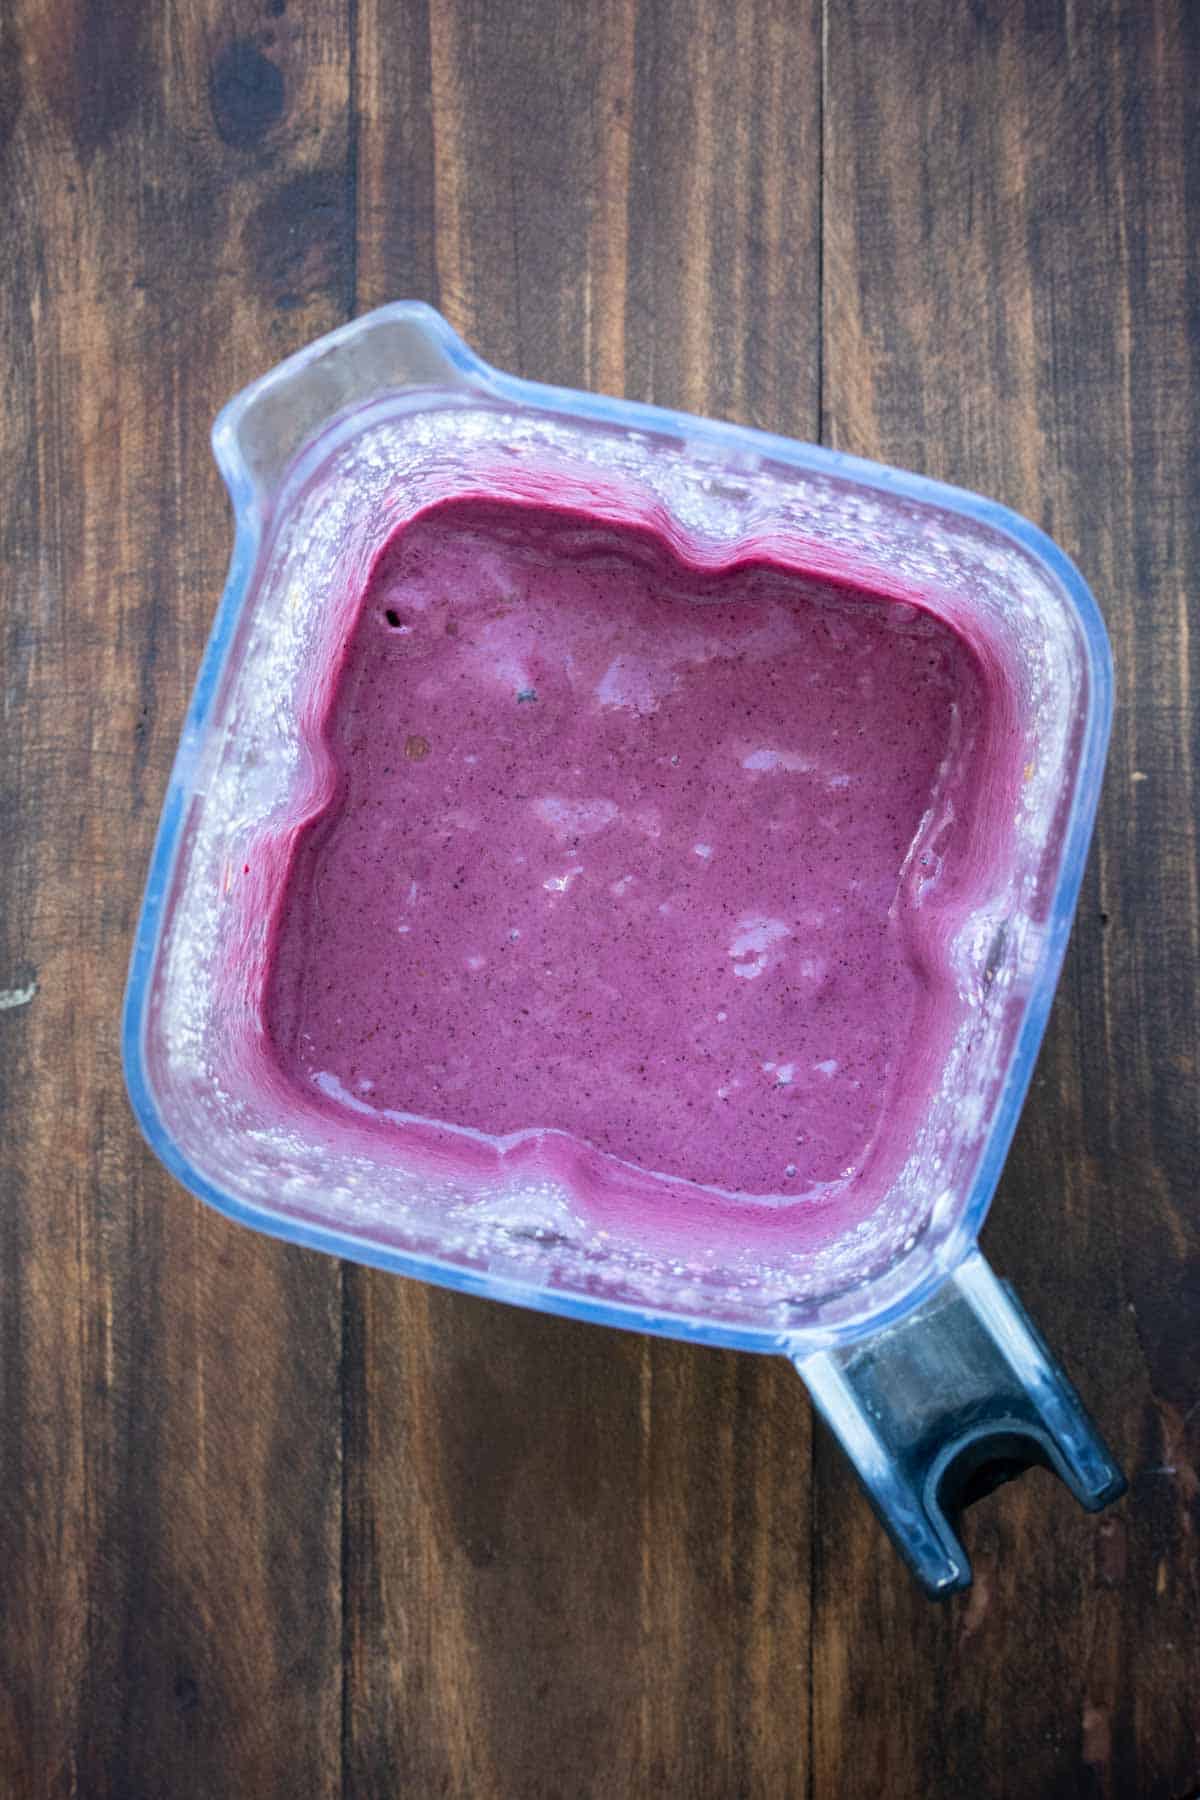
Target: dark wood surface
271, 1526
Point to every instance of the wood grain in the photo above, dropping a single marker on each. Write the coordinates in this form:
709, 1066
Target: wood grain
1009, 303
170, 1416
268, 1525
577, 1562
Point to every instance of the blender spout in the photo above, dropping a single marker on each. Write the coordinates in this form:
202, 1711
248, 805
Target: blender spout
405, 347
940, 1408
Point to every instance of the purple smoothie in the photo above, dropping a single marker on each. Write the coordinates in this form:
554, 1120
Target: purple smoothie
661, 857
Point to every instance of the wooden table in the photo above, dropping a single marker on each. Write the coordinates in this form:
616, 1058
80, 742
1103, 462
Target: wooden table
271, 1526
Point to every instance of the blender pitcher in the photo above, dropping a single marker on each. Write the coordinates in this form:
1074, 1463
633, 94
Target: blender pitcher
922, 1362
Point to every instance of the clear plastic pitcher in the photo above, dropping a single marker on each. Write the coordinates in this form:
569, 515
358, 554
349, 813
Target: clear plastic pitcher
921, 1361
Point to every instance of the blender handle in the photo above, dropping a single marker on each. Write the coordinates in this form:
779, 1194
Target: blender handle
404, 346
937, 1410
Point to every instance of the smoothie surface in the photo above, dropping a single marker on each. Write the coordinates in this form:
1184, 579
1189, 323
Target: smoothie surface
655, 855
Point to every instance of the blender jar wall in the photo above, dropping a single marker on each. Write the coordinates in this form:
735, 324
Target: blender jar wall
401, 414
